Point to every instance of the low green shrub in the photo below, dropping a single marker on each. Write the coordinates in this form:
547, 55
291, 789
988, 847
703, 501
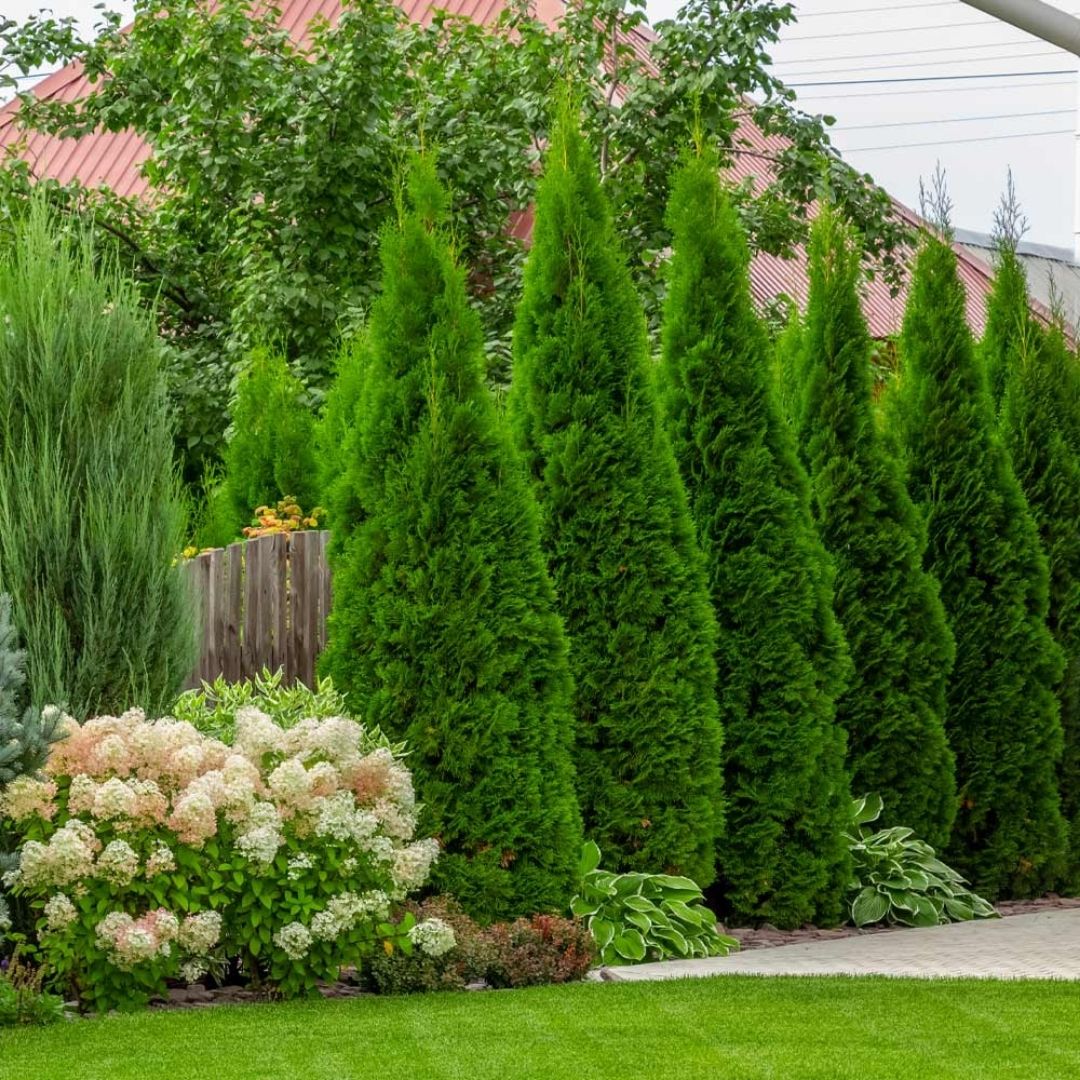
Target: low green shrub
538, 951
642, 917
899, 880
155, 852
213, 707
22, 1000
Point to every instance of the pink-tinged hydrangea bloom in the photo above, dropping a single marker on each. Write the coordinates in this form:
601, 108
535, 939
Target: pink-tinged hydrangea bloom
193, 819
26, 797
129, 941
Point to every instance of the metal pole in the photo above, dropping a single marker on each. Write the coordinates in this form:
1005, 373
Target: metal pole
1057, 28
1034, 17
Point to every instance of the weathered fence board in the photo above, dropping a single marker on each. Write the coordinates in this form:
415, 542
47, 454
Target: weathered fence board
263, 604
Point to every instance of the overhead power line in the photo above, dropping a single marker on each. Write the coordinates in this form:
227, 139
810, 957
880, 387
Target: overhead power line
953, 142
875, 10
933, 90
931, 78
1011, 43
925, 63
889, 30
952, 120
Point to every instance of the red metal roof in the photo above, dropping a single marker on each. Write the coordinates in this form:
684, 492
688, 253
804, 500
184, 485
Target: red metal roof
113, 159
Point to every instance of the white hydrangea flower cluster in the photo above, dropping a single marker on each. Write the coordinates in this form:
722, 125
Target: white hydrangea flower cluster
134, 799
294, 939
433, 937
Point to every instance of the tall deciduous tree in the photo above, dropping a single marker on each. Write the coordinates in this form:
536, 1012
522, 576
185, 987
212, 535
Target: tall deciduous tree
781, 655
888, 605
443, 629
618, 534
983, 547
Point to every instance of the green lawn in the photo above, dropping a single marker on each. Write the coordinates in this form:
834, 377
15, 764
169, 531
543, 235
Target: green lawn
727, 1027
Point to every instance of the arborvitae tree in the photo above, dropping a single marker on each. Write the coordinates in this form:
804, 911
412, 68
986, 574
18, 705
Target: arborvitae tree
335, 424
1007, 313
888, 605
91, 516
271, 455
618, 534
1001, 712
781, 655
788, 355
443, 629
1040, 418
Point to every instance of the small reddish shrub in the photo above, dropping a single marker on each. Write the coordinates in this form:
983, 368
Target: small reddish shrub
538, 951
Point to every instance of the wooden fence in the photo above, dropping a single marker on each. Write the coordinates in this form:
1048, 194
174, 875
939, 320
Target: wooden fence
264, 604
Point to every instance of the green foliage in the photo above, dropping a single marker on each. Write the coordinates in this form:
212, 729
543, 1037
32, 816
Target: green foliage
22, 1001
644, 917
212, 708
538, 951
887, 604
1001, 714
279, 857
1040, 421
1008, 317
271, 454
781, 655
899, 880
443, 629
617, 533
25, 734
90, 516
273, 182
332, 432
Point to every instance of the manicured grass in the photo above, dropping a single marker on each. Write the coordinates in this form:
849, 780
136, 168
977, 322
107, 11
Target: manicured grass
738, 1027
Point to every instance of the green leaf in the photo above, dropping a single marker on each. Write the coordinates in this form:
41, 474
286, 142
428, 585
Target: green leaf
603, 932
590, 858
869, 906
630, 945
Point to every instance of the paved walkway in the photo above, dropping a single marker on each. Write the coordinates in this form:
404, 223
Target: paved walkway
1041, 946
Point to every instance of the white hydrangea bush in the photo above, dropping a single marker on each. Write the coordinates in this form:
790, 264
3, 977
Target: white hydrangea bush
155, 851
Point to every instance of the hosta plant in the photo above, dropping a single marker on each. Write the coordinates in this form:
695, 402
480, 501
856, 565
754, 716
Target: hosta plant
154, 852
899, 880
640, 917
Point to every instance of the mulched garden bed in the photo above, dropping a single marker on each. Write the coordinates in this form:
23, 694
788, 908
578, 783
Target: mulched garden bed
198, 996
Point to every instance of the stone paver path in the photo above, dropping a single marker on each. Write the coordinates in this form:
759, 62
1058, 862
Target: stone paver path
1040, 946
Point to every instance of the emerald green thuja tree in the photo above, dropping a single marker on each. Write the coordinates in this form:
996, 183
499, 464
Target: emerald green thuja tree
1040, 421
443, 629
1008, 317
781, 655
983, 548
618, 535
888, 605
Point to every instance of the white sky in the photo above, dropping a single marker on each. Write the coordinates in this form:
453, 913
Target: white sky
897, 130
